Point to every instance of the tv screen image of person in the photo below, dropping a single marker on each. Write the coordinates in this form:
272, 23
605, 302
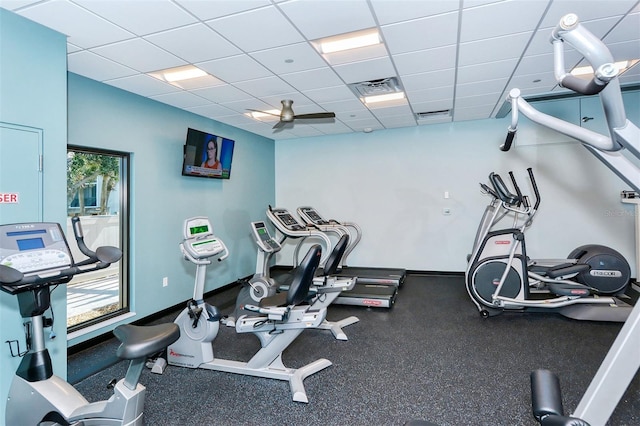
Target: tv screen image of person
207, 155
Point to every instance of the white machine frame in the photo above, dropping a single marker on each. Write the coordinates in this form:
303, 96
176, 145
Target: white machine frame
276, 327
36, 395
622, 362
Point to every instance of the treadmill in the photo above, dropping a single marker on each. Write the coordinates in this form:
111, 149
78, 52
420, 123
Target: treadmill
387, 276
373, 295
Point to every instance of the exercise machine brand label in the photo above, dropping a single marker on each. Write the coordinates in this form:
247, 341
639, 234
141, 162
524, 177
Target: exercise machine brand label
605, 273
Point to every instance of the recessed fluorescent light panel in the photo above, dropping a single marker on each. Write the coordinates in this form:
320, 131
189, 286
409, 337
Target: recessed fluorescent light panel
172, 75
383, 98
347, 41
621, 65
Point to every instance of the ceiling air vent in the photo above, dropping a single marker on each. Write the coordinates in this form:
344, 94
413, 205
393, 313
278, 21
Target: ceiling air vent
432, 115
381, 86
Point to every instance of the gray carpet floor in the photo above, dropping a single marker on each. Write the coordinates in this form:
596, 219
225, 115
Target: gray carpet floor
430, 357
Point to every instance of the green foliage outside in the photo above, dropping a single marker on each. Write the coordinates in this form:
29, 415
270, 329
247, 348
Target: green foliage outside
84, 169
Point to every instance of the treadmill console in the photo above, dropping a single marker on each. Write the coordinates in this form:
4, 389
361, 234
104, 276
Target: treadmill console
199, 239
264, 239
34, 247
310, 215
288, 221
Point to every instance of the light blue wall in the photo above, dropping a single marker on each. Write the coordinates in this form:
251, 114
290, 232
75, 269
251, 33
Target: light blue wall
33, 93
105, 117
393, 183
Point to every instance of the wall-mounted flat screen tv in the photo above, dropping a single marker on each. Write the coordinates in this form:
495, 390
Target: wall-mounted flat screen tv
207, 155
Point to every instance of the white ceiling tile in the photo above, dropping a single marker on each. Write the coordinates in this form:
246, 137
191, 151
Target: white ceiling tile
541, 82
83, 28
336, 93
245, 45
372, 69
480, 87
585, 9
433, 94
421, 34
493, 49
389, 12
473, 101
212, 111
211, 9
398, 121
498, 19
317, 19
626, 50
488, 71
290, 58
628, 28
71, 48
181, 99
347, 117
428, 80
269, 86
140, 17
268, 28
312, 79
473, 113
96, 67
350, 105
222, 93
243, 105
361, 125
140, 55
180, 41
419, 61
235, 68
143, 84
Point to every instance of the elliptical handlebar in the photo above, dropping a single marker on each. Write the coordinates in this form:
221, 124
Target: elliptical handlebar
535, 188
503, 192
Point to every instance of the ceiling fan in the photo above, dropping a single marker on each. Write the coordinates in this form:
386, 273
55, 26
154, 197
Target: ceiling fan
287, 115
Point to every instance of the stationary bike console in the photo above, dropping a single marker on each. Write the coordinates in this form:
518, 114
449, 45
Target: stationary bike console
199, 242
34, 249
263, 238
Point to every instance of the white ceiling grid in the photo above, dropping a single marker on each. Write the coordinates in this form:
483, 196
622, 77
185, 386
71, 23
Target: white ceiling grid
458, 55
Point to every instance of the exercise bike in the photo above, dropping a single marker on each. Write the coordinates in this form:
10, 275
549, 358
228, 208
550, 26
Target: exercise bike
276, 321
326, 287
33, 258
500, 276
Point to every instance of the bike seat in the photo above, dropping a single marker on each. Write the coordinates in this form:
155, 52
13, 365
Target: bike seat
141, 341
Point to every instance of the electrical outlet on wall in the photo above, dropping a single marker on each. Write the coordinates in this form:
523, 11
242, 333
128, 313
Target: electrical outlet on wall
165, 281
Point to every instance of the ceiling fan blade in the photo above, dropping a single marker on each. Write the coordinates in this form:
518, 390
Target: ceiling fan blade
263, 112
279, 124
315, 115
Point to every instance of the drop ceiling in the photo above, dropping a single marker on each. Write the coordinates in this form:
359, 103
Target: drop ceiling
461, 56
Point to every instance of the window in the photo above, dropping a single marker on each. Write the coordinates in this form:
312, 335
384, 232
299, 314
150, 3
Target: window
97, 192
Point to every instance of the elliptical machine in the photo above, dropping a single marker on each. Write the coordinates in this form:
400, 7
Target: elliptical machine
325, 289
500, 276
33, 258
277, 321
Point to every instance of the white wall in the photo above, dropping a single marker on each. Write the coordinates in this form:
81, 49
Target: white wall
393, 182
